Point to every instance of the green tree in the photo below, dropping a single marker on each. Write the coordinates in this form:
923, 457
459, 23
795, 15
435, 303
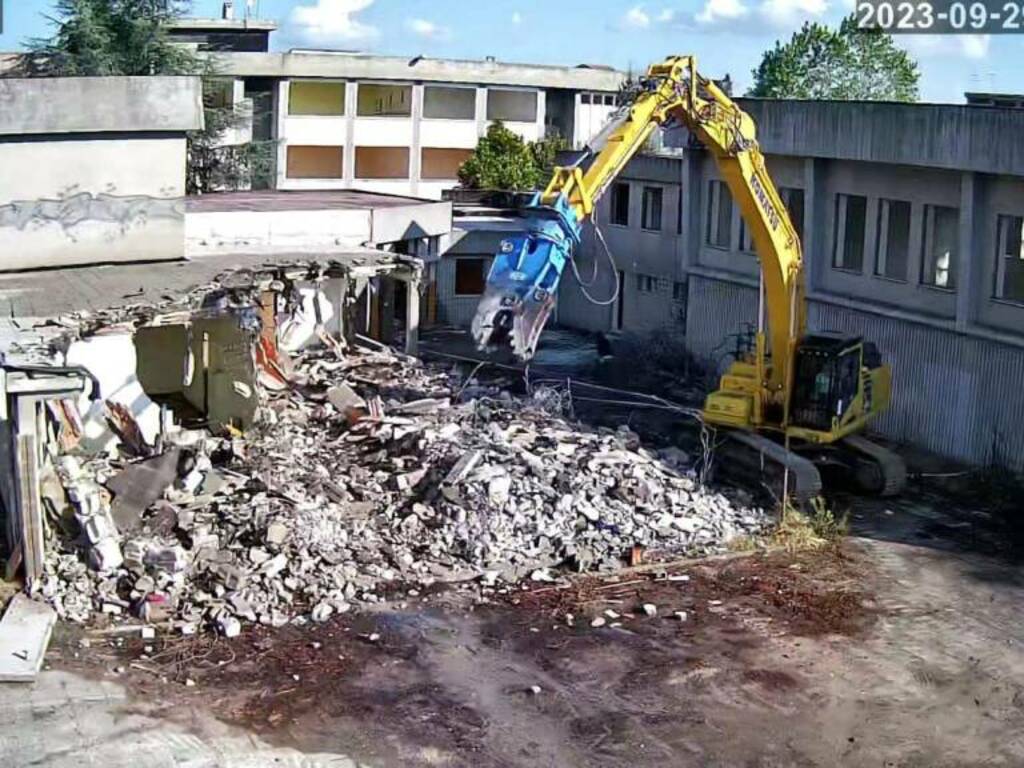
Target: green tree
129, 38
502, 160
845, 63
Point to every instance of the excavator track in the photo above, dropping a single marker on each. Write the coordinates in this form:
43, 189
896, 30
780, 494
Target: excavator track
889, 469
753, 454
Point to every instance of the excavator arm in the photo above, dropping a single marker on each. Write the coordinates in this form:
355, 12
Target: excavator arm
525, 273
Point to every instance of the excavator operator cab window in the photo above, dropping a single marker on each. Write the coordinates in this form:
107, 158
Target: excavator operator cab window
827, 380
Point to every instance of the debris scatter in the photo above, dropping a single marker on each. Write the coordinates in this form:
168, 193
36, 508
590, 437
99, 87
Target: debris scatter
364, 472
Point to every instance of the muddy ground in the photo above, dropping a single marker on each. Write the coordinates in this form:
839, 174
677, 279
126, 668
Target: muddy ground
901, 647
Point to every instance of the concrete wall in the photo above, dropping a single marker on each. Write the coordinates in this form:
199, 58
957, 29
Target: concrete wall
324, 230
38, 106
94, 169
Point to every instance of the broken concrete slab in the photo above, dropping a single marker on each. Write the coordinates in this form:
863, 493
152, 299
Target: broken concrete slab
139, 485
24, 636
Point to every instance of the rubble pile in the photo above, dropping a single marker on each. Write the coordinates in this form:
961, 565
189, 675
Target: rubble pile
368, 471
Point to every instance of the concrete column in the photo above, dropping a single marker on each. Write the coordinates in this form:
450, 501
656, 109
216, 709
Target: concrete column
816, 205
542, 111
387, 309
412, 316
282, 134
692, 191
481, 110
415, 170
351, 104
970, 266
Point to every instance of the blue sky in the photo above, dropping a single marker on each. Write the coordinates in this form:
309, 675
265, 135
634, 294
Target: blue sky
726, 35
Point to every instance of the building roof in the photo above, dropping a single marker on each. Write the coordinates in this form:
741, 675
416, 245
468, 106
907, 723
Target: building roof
222, 25
362, 66
978, 98
956, 137
298, 200
55, 105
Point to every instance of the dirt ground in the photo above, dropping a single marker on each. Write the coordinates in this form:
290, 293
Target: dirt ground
903, 647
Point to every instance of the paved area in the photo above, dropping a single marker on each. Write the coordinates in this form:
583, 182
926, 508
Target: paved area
69, 720
905, 649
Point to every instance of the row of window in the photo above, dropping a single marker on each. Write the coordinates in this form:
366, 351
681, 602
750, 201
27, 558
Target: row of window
326, 98
651, 204
652, 284
599, 99
328, 162
940, 235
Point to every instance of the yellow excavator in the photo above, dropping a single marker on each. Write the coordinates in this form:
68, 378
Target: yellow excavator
795, 401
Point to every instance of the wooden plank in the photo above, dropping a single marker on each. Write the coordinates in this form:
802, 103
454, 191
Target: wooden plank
24, 636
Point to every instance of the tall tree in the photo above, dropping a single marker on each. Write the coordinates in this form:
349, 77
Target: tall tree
845, 63
129, 37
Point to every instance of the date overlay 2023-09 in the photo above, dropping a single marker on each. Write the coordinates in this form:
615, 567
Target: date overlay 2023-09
971, 17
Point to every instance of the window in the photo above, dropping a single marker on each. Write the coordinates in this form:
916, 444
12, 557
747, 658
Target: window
646, 283
315, 162
218, 93
609, 100
316, 97
447, 103
512, 106
382, 162
469, 277
384, 100
442, 163
679, 292
892, 239
584, 98
746, 239
848, 244
650, 214
793, 198
941, 232
1010, 261
719, 221
620, 204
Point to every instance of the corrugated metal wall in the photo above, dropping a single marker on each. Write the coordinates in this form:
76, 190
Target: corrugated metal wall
958, 396
716, 310
955, 395
453, 309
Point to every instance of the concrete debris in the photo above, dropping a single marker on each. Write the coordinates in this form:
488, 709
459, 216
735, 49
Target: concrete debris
650, 609
312, 511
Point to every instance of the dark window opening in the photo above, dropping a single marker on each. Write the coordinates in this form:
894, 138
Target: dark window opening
470, 277
620, 204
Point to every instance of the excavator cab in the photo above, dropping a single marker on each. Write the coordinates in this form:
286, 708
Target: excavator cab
839, 382
826, 380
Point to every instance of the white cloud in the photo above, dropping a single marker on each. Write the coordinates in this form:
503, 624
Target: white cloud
517, 18
787, 13
975, 46
428, 29
637, 18
330, 21
933, 46
715, 10
666, 16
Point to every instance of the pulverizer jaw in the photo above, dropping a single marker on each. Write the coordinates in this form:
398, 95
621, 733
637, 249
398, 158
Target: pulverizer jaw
523, 280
